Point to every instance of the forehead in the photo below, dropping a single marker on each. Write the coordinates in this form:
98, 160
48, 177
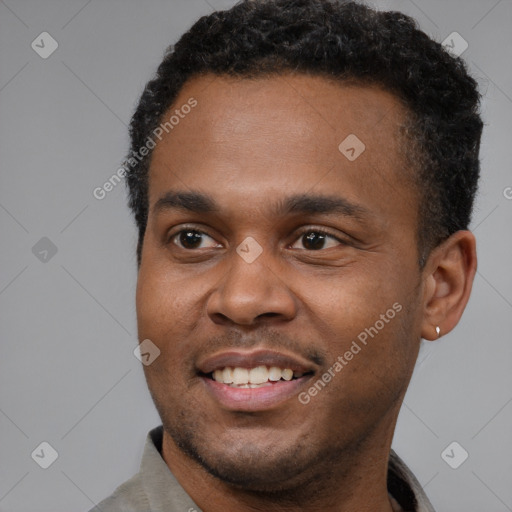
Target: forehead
287, 132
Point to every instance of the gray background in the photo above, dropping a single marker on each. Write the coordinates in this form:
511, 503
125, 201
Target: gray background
68, 375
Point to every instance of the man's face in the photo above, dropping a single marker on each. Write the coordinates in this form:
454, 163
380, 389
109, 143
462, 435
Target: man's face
268, 246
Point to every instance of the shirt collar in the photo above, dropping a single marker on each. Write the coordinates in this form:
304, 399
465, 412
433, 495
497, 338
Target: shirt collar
163, 491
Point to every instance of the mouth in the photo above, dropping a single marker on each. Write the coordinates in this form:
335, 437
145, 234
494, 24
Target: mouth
254, 381
251, 378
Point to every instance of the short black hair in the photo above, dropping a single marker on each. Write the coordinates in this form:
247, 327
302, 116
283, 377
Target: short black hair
347, 42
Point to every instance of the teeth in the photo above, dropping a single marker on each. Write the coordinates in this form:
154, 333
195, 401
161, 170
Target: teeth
287, 374
258, 375
240, 376
274, 374
227, 375
253, 378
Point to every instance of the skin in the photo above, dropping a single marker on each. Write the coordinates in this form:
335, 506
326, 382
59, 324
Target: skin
249, 145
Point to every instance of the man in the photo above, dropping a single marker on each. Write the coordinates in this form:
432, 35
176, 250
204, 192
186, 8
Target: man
302, 174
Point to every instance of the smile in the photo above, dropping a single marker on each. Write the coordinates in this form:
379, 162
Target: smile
260, 376
254, 381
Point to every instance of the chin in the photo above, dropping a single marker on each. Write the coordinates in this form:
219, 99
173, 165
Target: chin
254, 470
262, 465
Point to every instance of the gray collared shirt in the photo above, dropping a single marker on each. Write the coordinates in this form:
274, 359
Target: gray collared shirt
154, 488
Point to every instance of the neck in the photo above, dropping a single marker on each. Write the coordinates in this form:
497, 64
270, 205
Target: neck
355, 480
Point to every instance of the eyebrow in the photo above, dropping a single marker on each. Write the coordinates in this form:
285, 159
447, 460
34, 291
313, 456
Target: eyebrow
187, 201
196, 202
320, 204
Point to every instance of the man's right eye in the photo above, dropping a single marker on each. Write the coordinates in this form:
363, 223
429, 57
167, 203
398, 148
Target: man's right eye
193, 239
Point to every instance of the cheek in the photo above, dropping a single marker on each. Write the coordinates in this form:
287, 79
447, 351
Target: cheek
162, 317
352, 300
371, 324
163, 309
368, 369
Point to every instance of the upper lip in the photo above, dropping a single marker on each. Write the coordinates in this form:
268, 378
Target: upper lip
252, 359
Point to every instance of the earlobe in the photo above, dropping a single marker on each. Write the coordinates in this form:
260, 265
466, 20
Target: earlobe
450, 271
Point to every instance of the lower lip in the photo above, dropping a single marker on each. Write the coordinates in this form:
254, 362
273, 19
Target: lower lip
254, 399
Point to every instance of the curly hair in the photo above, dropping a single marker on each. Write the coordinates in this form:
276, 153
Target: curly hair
347, 42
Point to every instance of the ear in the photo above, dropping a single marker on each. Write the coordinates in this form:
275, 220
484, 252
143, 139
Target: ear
448, 278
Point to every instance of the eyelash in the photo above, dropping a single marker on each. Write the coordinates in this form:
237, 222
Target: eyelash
302, 232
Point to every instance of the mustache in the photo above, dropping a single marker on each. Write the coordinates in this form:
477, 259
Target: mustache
264, 337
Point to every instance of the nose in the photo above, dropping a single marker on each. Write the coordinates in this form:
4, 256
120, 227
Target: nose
251, 294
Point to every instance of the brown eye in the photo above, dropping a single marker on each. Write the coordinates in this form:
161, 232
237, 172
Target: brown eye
315, 241
193, 239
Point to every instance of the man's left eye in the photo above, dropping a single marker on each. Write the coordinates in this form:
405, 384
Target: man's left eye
316, 240
193, 239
